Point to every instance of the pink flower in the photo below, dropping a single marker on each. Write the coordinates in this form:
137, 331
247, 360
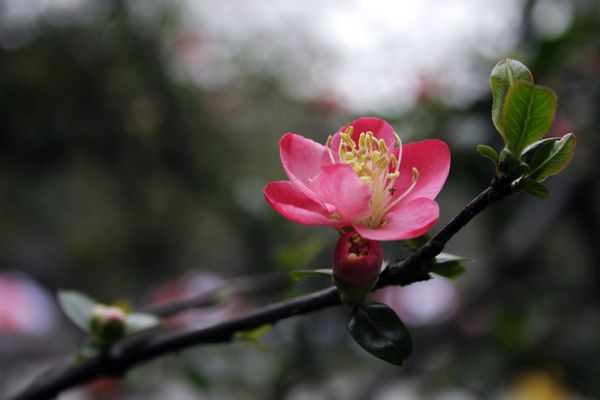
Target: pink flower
362, 178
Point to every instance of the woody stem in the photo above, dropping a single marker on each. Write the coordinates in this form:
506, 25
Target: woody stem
143, 348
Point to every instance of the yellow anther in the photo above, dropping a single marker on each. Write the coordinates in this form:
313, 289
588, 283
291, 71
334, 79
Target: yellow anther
353, 163
361, 140
347, 139
415, 174
329, 142
382, 146
382, 163
347, 136
393, 175
368, 141
398, 140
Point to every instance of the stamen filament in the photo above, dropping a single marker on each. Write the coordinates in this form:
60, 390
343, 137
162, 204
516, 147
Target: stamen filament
415, 178
328, 145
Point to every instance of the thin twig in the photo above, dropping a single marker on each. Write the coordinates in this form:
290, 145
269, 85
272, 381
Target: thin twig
144, 348
237, 286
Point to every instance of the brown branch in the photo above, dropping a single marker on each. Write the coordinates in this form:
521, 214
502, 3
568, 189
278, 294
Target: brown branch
417, 267
136, 350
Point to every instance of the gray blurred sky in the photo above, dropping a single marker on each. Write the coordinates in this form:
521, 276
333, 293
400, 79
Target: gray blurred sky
366, 55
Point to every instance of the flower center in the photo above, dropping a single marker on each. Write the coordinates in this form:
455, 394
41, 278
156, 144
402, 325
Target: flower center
359, 247
377, 167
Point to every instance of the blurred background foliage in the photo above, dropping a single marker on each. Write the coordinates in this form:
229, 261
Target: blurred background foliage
136, 137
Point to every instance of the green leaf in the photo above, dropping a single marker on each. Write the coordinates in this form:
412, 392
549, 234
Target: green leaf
503, 76
536, 154
301, 273
552, 156
534, 188
450, 270
77, 306
253, 335
527, 115
378, 330
444, 258
449, 265
136, 322
416, 243
488, 152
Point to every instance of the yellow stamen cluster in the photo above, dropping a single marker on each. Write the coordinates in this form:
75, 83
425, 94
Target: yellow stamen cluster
372, 161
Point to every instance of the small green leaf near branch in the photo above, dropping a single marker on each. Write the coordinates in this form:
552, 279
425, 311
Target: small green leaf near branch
253, 335
503, 76
489, 153
302, 273
449, 265
415, 243
78, 307
533, 187
137, 322
551, 156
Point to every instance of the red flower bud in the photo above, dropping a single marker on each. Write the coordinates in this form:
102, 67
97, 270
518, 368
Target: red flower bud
356, 266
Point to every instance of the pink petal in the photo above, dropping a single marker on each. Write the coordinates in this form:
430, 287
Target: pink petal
411, 220
380, 128
302, 158
432, 160
338, 185
291, 201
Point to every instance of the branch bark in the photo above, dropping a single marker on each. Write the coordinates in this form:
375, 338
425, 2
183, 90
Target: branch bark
142, 348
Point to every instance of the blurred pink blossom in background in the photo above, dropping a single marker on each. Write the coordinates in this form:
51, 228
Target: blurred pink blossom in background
423, 303
25, 307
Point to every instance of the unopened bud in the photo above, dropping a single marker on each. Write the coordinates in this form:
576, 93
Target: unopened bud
356, 265
107, 325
